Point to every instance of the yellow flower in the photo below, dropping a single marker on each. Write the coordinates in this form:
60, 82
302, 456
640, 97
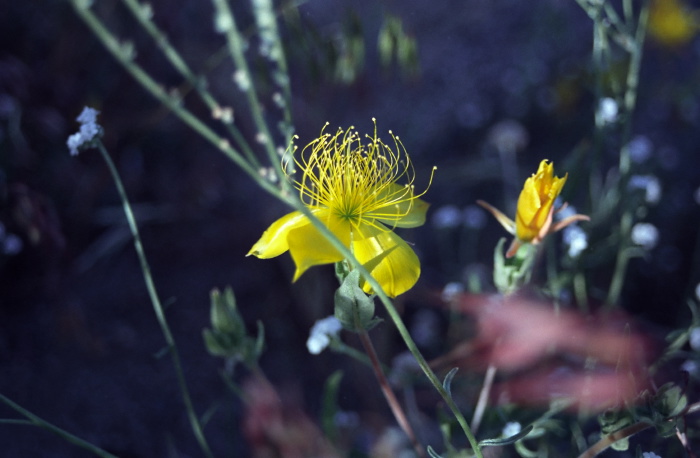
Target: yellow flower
352, 188
672, 23
533, 217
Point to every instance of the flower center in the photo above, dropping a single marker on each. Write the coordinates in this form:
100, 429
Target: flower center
357, 181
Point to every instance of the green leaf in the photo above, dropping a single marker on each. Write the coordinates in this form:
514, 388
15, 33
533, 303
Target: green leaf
260, 341
432, 453
447, 383
330, 405
507, 440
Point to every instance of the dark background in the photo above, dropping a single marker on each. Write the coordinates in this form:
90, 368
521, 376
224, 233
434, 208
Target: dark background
78, 337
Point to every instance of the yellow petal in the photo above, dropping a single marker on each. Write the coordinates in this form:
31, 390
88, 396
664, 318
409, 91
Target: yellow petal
309, 248
535, 202
412, 214
529, 203
274, 240
389, 258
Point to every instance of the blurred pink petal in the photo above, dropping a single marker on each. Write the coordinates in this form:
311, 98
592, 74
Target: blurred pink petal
541, 354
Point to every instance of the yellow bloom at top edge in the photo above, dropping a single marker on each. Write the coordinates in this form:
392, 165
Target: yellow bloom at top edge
672, 23
535, 210
351, 184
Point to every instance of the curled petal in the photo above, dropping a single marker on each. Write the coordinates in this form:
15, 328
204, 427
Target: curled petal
388, 258
274, 240
569, 220
507, 223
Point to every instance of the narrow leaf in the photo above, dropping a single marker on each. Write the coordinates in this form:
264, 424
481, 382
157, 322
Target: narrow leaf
506, 440
447, 383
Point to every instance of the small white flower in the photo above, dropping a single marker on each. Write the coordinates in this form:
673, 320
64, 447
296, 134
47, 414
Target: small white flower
320, 334
650, 184
645, 235
608, 110
576, 240
451, 290
650, 455
447, 217
508, 136
697, 291
474, 217
640, 149
12, 244
695, 339
511, 429
89, 130
565, 212
690, 367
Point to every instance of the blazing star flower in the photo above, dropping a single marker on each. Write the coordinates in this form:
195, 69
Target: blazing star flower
533, 218
352, 188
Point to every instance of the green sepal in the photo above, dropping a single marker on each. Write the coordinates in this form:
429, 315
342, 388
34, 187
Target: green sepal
224, 314
509, 274
353, 308
614, 420
228, 337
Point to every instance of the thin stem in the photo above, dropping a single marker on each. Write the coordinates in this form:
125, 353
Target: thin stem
157, 306
197, 82
623, 433
393, 314
621, 262
339, 346
227, 24
483, 397
157, 91
116, 49
40, 422
394, 404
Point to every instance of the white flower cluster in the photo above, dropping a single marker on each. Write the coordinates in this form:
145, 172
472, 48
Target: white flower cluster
321, 333
574, 237
645, 235
511, 429
608, 110
450, 216
89, 130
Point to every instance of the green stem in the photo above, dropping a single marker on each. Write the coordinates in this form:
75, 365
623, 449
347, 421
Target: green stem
227, 24
197, 82
40, 422
395, 318
339, 346
148, 83
116, 49
157, 306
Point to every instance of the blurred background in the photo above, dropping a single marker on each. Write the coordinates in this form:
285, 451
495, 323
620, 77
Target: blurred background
489, 90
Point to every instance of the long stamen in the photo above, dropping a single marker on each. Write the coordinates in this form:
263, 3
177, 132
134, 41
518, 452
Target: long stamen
358, 182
